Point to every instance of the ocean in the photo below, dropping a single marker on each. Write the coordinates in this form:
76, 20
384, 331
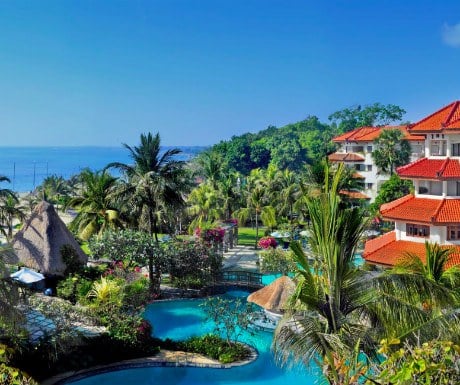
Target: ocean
26, 167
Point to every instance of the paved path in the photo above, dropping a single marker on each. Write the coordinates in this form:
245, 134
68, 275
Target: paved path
241, 258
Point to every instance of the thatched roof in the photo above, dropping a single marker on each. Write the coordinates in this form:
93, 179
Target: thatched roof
275, 295
38, 243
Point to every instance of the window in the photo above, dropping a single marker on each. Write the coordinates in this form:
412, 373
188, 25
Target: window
453, 233
438, 147
369, 148
369, 185
415, 230
455, 149
360, 167
369, 167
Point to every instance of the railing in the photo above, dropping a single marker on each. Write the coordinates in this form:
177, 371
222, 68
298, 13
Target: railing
242, 278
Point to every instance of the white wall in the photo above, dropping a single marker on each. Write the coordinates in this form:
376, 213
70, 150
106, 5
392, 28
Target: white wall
437, 234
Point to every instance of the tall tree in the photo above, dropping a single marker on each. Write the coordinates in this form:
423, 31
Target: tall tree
155, 183
339, 311
55, 189
97, 211
375, 114
204, 205
390, 190
211, 164
391, 150
10, 210
258, 208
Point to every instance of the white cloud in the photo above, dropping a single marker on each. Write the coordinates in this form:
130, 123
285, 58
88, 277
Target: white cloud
451, 35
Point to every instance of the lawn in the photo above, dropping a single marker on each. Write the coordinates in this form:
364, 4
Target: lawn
247, 235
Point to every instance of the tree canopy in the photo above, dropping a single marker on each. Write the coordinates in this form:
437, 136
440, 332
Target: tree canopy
375, 114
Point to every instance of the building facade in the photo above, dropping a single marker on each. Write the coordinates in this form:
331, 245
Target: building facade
432, 213
355, 150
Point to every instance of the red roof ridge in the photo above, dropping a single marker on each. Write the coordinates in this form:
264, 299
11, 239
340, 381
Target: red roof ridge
356, 133
454, 107
391, 205
437, 210
443, 167
429, 116
402, 168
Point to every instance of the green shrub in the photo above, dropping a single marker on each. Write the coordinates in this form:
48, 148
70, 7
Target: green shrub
13, 376
136, 293
74, 288
215, 347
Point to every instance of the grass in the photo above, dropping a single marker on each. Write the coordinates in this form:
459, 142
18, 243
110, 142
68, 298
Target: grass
247, 235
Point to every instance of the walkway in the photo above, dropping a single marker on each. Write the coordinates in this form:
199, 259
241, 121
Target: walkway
241, 258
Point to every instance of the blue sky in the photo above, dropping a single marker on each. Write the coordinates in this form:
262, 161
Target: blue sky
199, 71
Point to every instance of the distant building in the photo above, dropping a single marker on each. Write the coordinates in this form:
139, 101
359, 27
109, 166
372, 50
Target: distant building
355, 150
433, 212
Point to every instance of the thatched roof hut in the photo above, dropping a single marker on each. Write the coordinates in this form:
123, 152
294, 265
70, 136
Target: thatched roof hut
38, 244
274, 296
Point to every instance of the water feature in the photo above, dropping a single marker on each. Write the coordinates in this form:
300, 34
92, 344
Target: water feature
180, 319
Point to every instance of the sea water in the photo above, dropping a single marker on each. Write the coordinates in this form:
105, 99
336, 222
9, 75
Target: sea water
26, 167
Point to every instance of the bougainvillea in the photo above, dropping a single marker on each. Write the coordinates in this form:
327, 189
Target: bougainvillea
215, 235
267, 242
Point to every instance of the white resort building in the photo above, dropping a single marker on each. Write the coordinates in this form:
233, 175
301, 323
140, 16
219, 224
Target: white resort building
355, 150
432, 213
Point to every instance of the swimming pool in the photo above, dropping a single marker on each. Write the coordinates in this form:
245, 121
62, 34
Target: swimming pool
183, 318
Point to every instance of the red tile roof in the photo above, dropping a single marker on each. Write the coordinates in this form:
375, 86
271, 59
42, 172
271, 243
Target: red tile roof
345, 157
447, 118
357, 175
385, 250
422, 210
369, 134
425, 168
359, 134
354, 194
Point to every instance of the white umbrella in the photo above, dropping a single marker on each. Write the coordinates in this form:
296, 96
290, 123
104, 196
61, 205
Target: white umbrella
27, 276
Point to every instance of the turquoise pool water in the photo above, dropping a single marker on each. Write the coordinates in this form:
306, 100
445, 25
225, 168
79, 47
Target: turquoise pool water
183, 318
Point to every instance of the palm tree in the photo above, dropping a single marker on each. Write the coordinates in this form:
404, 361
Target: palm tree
256, 204
433, 277
10, 209
211, 165
338, 310
230, 193
55, 189
392, 150
331, 296
289, 193
204, 205
155, 184
96, 209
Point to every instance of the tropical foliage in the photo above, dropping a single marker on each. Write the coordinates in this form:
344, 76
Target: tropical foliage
339, 312
275, 260
96, 210
390, 190
391, 150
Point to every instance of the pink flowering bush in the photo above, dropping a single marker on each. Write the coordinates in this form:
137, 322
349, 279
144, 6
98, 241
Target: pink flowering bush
215, 235
267, 242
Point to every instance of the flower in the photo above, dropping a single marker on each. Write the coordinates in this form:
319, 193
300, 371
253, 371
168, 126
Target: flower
267, 242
